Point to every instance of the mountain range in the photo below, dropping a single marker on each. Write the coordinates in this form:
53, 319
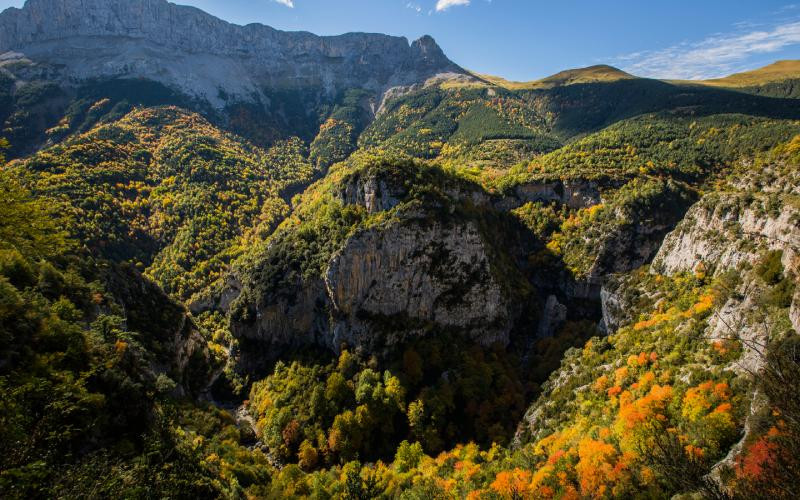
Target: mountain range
242, 262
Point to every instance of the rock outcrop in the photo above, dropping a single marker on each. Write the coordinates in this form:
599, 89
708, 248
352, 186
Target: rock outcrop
401, 280
385, 286
616, 312
553, 316
725, 230
420, 262
205, 57
373, 193
574, 193
733, 231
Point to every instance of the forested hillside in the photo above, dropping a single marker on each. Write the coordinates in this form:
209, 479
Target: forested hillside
387, 280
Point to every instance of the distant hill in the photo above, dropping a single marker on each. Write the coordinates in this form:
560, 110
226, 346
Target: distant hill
779, 79
776, 72
591, 74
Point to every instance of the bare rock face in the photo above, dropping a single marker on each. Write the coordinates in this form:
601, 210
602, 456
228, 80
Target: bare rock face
202, 56
386, 285
722, 231
373, 193
553, 316
572, 193
615, 311
402, 279
794, 312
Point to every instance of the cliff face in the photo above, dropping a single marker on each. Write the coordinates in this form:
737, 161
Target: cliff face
203, 56
728, 231
427, 267
723, 231
382, 288
738, 248
412, 276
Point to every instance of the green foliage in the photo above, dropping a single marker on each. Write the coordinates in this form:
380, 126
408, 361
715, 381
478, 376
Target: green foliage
88, 354
665, 144
622, 416
81, 368
338, 412
450, 123
348, 410
165, 190
541, 219
661, 203
30, 226
338, 135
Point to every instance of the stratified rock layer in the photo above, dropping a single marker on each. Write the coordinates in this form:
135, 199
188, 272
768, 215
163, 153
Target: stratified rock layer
203, 56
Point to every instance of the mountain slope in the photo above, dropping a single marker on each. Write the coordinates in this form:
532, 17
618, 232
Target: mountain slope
780, 79
238, 262
166, 42
775, 72
59, 57
165, 190
495, 127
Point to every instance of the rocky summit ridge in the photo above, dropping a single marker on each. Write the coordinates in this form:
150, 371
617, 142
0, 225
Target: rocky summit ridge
203, 56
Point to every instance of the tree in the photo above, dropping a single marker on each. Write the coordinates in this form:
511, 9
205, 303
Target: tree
307, 457
27, 224
408, 456
3, 146
513, 484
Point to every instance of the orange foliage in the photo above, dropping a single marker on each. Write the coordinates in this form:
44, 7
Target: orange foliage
759, 458
704, 304
640, 410
601, 383
646, 380
620, 374
512, 484
594, 467
699, 400
694, 452
120, 346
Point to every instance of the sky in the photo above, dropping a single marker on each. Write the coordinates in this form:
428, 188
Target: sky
530, 39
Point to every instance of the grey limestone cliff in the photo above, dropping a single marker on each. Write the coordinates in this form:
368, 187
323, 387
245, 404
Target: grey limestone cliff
202, 56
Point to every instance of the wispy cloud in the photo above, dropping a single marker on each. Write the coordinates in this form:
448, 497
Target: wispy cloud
288, 3
446, 4
716, 56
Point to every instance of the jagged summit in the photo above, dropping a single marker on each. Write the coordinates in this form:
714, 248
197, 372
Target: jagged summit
200, 54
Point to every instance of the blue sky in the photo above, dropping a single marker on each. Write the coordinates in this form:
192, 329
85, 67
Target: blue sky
529, 39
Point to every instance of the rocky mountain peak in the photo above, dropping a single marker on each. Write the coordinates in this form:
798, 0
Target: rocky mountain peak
200, 54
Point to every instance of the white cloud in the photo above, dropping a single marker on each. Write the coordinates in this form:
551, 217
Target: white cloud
446, 4
288, 3
414, 7
714, 57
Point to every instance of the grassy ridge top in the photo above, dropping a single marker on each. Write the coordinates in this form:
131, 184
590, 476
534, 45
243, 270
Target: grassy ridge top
591, 74
775, 72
